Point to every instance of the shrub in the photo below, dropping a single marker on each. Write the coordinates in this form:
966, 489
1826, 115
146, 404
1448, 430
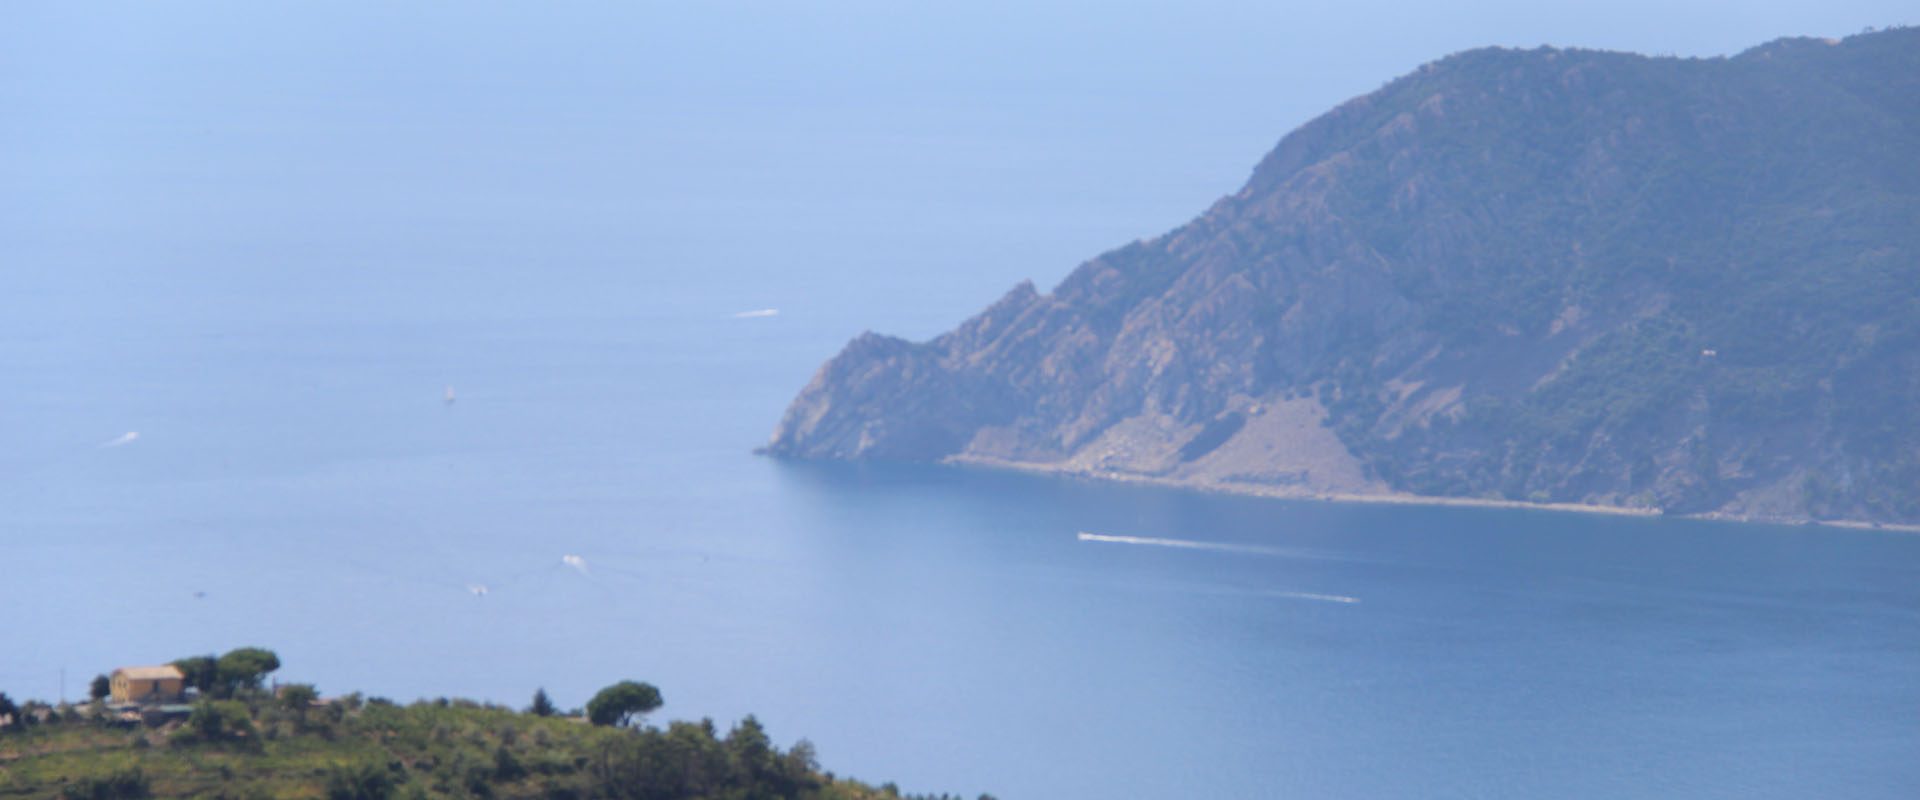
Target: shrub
124, 785
360, 782
217, 722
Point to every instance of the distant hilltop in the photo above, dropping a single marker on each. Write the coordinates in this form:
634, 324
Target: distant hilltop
207, 726
1688, 286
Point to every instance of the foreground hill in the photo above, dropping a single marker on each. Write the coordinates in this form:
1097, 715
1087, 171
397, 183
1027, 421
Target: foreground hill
1684, 285
348, 750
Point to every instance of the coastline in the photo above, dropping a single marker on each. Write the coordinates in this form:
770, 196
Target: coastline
1406, 499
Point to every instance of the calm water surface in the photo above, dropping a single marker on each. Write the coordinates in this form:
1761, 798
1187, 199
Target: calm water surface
943, 628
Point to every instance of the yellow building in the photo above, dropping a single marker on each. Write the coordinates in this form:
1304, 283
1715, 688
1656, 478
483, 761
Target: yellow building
148, 684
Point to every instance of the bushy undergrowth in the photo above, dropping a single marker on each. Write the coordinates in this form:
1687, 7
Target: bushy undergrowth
257, 747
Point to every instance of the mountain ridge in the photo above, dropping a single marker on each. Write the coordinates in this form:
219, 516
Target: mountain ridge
1545, 276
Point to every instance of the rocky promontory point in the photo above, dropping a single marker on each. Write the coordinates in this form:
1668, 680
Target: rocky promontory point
1553, 276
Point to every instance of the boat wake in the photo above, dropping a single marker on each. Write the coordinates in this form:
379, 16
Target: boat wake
1195, 544
121, 441
1323, 598
1227, 547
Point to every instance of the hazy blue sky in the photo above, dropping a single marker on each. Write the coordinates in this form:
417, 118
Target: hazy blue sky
541, 158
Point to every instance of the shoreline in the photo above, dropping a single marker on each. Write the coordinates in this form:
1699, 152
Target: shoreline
1292, 493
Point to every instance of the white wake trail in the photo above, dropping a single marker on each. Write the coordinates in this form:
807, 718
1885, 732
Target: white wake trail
757, 313
1193, 544
121, 440
1226, 547
1324, 598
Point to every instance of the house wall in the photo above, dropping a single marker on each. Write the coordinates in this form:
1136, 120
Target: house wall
134, 690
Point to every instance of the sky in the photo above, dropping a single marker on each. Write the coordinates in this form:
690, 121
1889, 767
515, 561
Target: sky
894, 165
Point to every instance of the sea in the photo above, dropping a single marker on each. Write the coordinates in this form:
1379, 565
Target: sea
430, 351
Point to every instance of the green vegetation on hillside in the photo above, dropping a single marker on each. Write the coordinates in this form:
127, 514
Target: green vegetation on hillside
259, 744
1749, 223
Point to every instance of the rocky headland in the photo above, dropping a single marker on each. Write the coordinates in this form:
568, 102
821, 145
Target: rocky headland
1548, 277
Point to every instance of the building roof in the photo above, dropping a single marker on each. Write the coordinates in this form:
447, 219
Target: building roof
160, 673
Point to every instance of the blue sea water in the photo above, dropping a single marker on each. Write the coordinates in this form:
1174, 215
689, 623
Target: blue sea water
944, 628
268, 243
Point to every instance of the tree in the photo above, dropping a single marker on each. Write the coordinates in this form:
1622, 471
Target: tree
201, 672
623, 704
507, 768
298, 698
542, 705
218, 721
749, 743
243, 668
10, 712
101, 687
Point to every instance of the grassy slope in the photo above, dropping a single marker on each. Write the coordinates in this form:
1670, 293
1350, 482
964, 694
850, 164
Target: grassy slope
423, 750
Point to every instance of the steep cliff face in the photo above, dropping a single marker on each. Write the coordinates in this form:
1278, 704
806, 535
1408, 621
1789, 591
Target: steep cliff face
1547, 275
